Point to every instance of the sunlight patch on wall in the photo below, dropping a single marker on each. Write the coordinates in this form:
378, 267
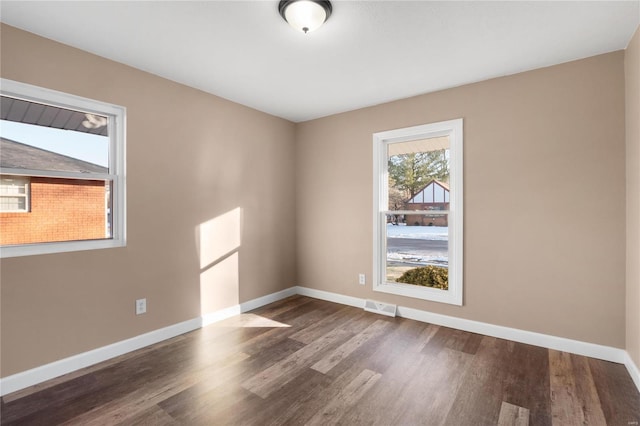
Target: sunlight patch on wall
219, 285
218, 241
219, 236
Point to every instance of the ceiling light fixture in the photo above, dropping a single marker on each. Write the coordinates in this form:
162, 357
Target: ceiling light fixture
305, 15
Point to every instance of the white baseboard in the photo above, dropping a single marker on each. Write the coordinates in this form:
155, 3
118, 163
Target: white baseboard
592, 350
220, 315
633, 370
55, 369
269, 298
577, 347
331, 297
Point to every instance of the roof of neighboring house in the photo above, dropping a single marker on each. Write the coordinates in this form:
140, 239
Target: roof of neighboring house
445, 186
437, 182
16, 155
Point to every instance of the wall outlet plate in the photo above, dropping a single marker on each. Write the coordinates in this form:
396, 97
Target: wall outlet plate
141, 306
362, 279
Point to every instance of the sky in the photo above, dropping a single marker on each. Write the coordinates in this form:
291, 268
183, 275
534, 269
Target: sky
83, 146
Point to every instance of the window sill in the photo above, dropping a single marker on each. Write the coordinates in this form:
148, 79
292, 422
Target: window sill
59, 247
420, 292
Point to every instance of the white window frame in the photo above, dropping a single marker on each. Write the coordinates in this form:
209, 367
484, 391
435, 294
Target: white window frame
381, 141
116, 174
25, 195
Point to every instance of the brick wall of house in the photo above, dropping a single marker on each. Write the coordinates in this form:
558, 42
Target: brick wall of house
428, 220
60, 210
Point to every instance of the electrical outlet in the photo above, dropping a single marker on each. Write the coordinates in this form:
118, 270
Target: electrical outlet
362, 279
141, 306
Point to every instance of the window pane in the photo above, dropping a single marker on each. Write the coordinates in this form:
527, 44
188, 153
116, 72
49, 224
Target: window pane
418, 244
12, 204
418, 254
13, 185
412, 167
37, 136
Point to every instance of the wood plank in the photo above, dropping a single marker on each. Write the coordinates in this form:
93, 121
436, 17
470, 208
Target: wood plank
443, 376
88, 370
418, 390
425, 337
279, 374
481, 392
154, 416
347, 348
529, 387
213, 395
404, 338
324, 325
612, 381
130, 405
275, 336
294, 403
283, 306
346, 398
565, 406
438, 341
472, 344
574, 400
513, 415
586, 391
109, 382
457, 340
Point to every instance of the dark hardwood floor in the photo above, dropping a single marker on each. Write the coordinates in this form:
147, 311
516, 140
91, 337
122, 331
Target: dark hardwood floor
306, 361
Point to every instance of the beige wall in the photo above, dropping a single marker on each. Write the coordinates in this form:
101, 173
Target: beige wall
544, 198
632, 79
191, 158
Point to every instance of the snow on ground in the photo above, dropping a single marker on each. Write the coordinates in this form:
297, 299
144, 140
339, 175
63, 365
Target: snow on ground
418, 254
412, 258
434, 233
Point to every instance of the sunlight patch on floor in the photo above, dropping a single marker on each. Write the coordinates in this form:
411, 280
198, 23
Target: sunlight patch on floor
250, 320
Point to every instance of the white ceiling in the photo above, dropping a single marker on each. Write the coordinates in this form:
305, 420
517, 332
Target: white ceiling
368, 52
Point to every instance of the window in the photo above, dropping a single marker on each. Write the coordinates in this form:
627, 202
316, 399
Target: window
14, 194
62, 172
418, 212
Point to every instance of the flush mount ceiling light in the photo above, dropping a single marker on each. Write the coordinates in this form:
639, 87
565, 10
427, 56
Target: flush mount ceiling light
305, 15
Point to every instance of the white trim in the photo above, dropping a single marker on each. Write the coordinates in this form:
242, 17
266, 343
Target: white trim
58, 368
247, 306
55, 369
269, 298
116, 174
68, 246
331, 297
381, 142
220, 315
592, 350
633, 370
